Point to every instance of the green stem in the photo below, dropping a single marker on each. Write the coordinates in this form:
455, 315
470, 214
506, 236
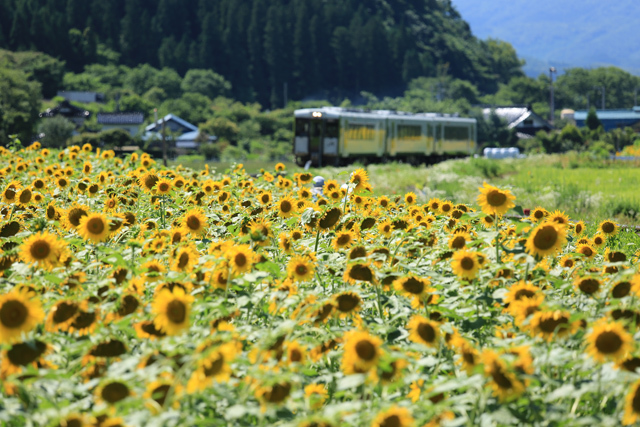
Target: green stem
317, 240
379, 303
497, 239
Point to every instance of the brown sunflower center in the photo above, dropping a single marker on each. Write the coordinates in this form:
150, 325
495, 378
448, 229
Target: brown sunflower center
176, 311
25, 196
586, 251
278, 393
344, 239
458, 242
23, 354
295, 355
347, 302
285, 206
114, 392
427, 332
301, 269
215, 367
13, 314
74, 216
240, 259
183, 261
621, 290
164, 187
608, 342
496, 198
366, 350
467, 263
193, 222
413, 285
40, 249
150, 181
361, 272
608, 227
589, 286
391, 421
549, 324
64, 311
95, 226
545, 238
469, 357
524, 293
500, 378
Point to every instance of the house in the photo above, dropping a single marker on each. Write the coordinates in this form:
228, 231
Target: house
83, 97
184, 136
128, 121
519, 117
70, 112
612, 119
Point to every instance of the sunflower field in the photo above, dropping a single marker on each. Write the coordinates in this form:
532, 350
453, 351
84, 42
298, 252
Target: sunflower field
132, 294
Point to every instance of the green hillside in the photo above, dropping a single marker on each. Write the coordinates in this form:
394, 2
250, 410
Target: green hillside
330, 49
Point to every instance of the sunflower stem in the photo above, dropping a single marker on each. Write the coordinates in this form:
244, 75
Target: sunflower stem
497, 239
317, 240
379, 304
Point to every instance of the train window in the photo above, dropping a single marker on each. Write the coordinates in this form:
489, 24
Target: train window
355, 131
456, 133
409, 132
332, 129
302, 127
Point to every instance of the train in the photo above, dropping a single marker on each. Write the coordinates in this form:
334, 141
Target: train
335, 136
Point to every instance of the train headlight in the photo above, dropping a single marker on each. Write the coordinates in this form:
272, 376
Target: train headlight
316, 114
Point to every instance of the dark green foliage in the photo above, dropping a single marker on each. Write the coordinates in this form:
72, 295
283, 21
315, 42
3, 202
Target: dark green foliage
39, 67
19, 105
115, 138
318, 49
205, 82
592, 121
57, 130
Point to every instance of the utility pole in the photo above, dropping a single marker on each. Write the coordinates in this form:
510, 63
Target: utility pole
602, 91
551, 100
164, 145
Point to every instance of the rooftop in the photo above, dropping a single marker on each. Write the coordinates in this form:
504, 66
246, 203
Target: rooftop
131, 118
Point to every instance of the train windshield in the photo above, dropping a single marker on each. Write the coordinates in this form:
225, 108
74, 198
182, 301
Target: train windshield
332, 129
302, 127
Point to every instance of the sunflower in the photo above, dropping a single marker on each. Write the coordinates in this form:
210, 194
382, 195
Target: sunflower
265, 197
488, 221
85, 322
465, 264
74, 214
274, 394
343, 240
286, 207
316, 395
195, 222
62, 315
112, 392
469, 356
148, 330
329, 219
559, 217
416, 288
295, 353
385, 228
241, 258
621, 289
360, 178
504, 383
394, 416
359, 272
587, 250
214, 367
599, 240
347, 303
24, 197
632, 405
550, 324
300, 268
608, 228
362, 352
546, 239
609, 341
458, 240
495, 201
587, 285
410, 198
148, 182
185, 259
172, 310
538, 214
94, 227
19, 313
520, 291
424, 331
43, 249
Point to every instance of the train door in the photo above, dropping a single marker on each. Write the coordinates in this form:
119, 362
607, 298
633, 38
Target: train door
316, 132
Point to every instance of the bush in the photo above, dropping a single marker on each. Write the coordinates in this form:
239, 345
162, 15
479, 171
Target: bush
57, 130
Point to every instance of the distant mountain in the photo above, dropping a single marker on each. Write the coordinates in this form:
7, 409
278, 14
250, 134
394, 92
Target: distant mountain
564, 33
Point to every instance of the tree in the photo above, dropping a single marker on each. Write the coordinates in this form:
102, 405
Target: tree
57, 130
115, 138
19, 105
592, 121
205, 82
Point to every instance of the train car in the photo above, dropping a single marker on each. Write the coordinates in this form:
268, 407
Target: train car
337, 136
